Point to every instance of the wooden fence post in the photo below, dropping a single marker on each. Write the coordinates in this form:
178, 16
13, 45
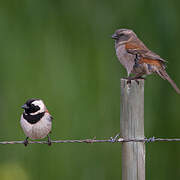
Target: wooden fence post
132, 126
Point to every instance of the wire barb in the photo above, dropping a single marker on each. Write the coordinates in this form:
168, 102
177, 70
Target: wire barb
152, 139
115, 138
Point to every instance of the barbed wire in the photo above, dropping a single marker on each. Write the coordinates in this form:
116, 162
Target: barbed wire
115, 139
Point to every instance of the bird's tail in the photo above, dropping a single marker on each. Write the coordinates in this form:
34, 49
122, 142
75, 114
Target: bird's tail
165, 75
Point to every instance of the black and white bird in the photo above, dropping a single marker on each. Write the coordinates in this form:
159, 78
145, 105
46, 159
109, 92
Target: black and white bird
36, 121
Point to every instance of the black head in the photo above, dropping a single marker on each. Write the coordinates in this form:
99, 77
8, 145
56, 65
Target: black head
123, 35
31, 106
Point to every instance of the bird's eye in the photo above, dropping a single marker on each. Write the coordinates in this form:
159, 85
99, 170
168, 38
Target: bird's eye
121, 34
33, 107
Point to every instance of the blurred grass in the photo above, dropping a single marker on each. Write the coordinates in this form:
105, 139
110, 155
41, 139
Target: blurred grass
61, 51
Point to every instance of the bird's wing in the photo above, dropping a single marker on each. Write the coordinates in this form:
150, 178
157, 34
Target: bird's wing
152, 55
142, 50
136, 47
50, 117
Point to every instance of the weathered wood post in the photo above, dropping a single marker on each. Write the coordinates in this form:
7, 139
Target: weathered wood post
132, 126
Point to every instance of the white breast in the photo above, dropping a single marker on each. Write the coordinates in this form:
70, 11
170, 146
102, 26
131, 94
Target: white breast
38, 130
125, 58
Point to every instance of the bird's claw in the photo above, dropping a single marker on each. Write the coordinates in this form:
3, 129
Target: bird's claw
129, 79
26, 142
137, 81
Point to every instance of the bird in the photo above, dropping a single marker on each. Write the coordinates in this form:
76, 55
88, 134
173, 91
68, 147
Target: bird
137, 59
36, 121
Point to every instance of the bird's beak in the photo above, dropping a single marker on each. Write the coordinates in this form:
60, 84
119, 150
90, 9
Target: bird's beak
114, 36
25, 106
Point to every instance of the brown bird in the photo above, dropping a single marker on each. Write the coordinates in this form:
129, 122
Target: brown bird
137, 58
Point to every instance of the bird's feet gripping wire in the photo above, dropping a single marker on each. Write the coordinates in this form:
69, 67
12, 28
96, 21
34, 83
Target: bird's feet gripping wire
26, 141
49, 141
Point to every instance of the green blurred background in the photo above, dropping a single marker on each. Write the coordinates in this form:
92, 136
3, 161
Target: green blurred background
62, 52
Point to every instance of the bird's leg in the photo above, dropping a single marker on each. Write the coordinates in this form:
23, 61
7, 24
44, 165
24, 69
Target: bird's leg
140, 77
130, 78
49, 140
26, 141
136, 77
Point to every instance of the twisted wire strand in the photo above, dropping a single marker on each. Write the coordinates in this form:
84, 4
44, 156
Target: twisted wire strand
116, 139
